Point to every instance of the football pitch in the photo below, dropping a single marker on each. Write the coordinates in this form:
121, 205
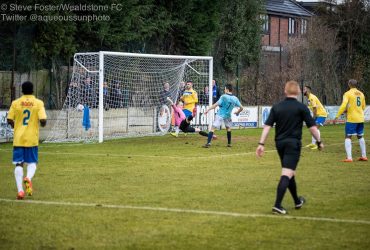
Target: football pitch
170, 193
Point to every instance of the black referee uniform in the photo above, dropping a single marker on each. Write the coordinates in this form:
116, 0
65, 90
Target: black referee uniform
288, 117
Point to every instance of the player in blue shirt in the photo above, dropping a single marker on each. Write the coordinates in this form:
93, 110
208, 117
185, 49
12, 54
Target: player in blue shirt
227, 102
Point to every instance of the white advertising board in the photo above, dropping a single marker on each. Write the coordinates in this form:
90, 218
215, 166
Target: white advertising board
332, 112
248, 118
367, 113
264, 113
6, 132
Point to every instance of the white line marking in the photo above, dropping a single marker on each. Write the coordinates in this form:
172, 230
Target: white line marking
83, 154
155, 156
189, 211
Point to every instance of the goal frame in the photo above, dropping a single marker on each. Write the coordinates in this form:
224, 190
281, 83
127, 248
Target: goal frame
101, 77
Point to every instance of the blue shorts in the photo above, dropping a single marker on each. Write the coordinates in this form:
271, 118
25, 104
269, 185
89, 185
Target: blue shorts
320, 120
25, 154
187, 112
354, 128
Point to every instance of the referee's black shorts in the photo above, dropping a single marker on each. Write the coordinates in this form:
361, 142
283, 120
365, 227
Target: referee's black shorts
289, 151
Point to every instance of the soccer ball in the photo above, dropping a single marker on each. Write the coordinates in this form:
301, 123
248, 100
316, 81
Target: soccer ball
80, 107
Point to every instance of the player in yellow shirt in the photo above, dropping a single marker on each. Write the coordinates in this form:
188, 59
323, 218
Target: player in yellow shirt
24, 116
318, 111
189, 98
354, 104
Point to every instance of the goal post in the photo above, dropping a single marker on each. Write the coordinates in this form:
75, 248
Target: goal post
125, 94
101, 96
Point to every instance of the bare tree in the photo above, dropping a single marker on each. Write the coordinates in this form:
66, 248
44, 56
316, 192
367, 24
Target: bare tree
313, 60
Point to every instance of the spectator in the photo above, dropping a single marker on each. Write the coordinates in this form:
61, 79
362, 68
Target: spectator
125, 96
181, 90
115, 94
73, 94
204, 96
216, 92
165, 93
106, 95
88, 92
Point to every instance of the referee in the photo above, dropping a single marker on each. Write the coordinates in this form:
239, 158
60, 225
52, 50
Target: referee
288, 117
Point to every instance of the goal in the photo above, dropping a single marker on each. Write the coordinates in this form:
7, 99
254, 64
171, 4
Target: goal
114, 95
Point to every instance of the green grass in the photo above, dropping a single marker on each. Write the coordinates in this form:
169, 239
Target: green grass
176, 173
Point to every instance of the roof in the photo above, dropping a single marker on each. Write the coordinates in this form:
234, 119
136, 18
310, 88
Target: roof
311, 5
286, 8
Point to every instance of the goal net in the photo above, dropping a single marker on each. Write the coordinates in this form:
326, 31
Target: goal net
115, 95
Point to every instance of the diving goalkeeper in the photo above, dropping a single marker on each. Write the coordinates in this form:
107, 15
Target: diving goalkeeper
181, 122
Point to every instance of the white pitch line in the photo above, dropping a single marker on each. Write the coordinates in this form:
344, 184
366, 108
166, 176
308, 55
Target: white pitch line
147, 156
156, 156
188, 211
81, 154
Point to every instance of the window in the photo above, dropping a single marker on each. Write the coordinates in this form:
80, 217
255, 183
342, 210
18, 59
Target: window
265, 23
292, 26
303, 26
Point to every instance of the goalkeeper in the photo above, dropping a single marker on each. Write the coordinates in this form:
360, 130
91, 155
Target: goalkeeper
181, 122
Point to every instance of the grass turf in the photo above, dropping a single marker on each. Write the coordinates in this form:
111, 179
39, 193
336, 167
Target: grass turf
176, 173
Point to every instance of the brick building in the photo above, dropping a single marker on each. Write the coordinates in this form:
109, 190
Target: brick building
283, 19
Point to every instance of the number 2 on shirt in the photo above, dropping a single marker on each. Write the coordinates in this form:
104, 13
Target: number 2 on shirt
26, 117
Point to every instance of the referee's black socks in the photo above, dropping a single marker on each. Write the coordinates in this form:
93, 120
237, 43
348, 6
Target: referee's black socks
281, 189
293, 190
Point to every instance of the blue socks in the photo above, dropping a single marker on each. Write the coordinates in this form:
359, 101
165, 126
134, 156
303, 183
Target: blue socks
210, 136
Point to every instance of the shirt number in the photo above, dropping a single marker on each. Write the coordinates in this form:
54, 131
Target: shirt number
26, 117
358, 101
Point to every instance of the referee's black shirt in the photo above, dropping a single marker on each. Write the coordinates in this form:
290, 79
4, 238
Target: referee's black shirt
288, 116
